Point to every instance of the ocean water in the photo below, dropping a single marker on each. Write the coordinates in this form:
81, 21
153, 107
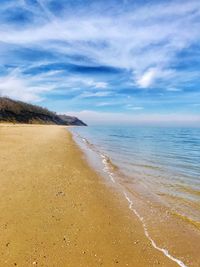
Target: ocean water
157, 168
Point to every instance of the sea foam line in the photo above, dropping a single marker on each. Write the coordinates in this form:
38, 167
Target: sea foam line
106, 168
104, 159
164, 251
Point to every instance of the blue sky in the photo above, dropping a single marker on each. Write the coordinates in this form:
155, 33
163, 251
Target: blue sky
104, 61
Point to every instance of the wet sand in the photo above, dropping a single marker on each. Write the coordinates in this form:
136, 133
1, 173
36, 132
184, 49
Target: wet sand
57, 211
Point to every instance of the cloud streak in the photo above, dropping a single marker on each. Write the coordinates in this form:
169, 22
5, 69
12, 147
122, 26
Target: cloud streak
137, 40
98, 50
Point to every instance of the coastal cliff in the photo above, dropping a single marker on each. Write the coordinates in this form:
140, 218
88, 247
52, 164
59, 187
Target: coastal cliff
20, 112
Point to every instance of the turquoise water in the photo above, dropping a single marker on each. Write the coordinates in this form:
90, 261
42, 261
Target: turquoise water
163, 162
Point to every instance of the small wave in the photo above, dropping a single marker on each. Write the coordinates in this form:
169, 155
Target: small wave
87, 142
190, 190
163, 250
106, 161
187, 219
109, 167
122, 136
146, 166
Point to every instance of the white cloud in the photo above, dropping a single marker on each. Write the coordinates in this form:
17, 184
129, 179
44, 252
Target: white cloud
14, 86
173, 89
148, 78
101, 85
93, 83
31, 88
95, 94
151, 76
104, 104
145, 40
135, 108
80, 81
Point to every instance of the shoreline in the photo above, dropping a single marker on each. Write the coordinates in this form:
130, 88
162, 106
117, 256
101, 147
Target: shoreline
178, 241
57, 211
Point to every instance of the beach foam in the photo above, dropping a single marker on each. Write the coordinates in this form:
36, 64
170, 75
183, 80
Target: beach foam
107, 165
163, 250
106, 168
115, 174
105, 161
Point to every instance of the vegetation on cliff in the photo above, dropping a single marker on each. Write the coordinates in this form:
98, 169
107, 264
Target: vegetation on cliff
20, 112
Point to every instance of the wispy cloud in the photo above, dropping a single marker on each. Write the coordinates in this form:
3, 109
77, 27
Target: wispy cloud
95, 94
147, 78
12, 85
105, 104
131, 107
101, 49
148, 37
173, 89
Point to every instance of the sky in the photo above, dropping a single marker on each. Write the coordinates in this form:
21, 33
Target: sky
108, 61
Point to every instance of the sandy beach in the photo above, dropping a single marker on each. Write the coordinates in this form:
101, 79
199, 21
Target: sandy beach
57, 211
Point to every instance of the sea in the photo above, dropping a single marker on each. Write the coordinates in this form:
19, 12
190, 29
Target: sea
157, 170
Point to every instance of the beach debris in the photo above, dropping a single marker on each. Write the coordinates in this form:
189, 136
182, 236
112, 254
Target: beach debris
60, 193
100, 261
156, 262
66, 240
35, 263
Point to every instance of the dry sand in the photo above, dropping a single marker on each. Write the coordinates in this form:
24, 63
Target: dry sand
56, 211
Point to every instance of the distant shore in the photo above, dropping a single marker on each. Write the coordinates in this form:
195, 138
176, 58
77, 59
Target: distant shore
56, 210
